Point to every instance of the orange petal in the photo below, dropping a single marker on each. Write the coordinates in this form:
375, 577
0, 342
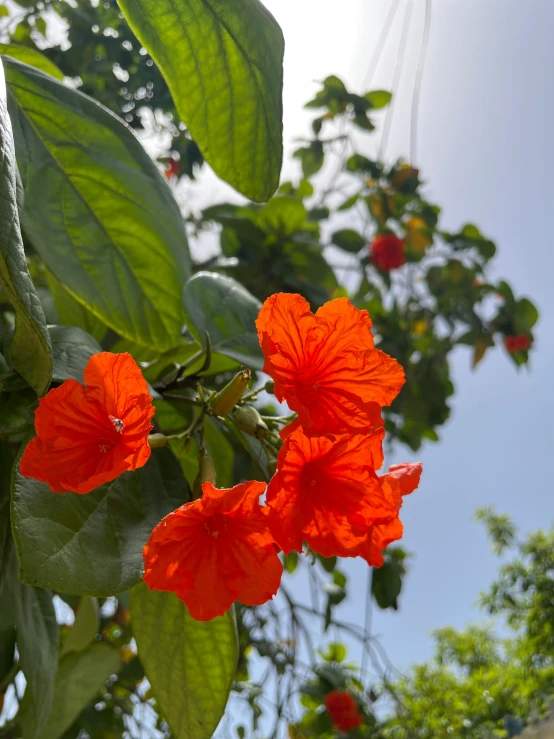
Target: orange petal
215, 551
113, 381
403, 479
327, 492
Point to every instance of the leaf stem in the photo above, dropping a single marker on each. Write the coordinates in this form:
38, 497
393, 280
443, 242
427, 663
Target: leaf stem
10, 676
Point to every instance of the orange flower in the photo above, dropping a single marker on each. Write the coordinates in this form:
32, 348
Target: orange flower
327, 493
343, 710
387, 252
325, 365
401, 480
90, 434
215, 551
513, 344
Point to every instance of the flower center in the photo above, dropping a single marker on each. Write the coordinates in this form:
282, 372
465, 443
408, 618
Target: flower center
310, 477
117, 424
216, 525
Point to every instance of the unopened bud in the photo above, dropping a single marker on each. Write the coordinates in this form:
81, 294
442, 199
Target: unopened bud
248, 419
269, 387
206, 473
226, 399
155, 441
272, 466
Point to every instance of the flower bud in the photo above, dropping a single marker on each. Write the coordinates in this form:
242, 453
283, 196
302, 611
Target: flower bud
269, 387
248, 419
272, 466
155, 441
226, 399
206, 473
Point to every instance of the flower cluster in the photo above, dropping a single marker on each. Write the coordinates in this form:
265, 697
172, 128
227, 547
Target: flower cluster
387, 252
326, 491
224, 547
513, 344
343, 710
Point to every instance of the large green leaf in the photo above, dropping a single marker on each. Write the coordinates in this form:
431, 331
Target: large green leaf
92, 544
227, 311
33, 57
37, 636
72, 348
190, 664
97, 210
16, 416
81, 676
72, 313
6, 461
29, 351
223, 62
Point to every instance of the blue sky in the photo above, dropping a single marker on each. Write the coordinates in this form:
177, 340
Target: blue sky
485, 149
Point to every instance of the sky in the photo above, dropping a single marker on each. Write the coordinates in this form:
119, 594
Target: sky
485, 150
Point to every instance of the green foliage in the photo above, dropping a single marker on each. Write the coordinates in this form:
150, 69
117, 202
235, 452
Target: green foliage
37, 636
32, 57
386, 582
92, 544
349, 240
69, 312
71, 350
28, 349
191, 664
221, 307
80, 678
222, 61
107, 204
85, 627
478, 684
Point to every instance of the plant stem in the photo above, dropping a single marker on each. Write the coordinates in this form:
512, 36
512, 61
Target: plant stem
10, 677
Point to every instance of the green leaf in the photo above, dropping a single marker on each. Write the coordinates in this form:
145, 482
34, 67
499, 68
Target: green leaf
94, 197
81, 677
29, 351
6, 461
526, 312
349, 240
283, 215
221, 451
378, 98
311, 275
386, 582
16, 418
190, 664
92, 544
38, 638
349, 202
311, 157
258, 453
290, 562
34, 58
71, 312
223, 63
85, 628
71, 348
227, 311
